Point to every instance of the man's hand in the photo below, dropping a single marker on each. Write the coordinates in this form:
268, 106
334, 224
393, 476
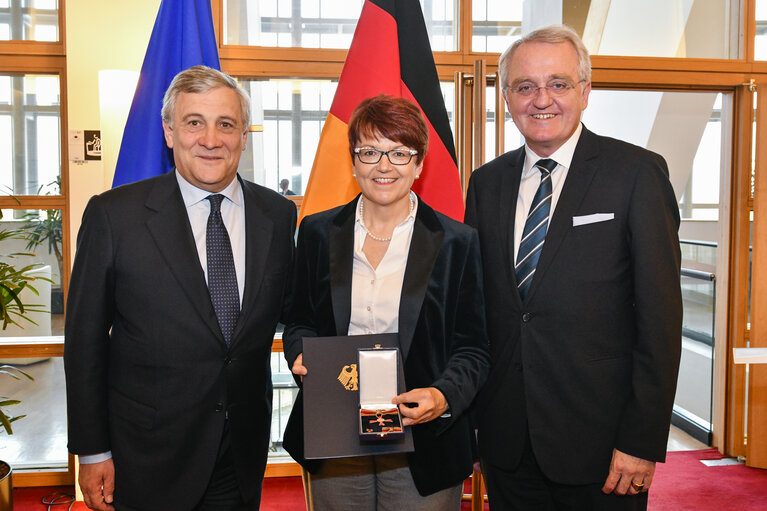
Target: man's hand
97, 481
431, 404
625, 470
298, 367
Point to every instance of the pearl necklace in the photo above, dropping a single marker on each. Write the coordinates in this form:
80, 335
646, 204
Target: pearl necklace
362, 219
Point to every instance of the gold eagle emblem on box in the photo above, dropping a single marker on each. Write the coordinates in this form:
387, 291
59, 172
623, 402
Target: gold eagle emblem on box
348, 377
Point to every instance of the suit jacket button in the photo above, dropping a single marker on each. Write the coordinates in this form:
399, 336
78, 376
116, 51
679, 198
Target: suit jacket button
219, 407
526, 317
227, 361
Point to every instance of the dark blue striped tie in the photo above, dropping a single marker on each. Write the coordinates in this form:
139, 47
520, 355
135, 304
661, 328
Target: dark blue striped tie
536, 225
222, 277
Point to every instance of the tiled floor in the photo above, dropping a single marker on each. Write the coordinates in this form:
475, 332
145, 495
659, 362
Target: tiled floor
39, 440
678, 440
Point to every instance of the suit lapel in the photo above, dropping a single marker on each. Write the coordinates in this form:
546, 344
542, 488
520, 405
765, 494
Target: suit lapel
507, 198
579, 178
341, 248
258, 238
424, 249
173, 236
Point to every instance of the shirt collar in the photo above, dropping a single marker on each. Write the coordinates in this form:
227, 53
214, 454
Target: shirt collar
192, 195
563, 156
411, 215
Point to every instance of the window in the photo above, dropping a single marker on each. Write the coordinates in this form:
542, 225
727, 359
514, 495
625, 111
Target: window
39, 440
677, 28
495, 24
760, 40
29, 20
30, 138
34, 209
291, 113
320, 23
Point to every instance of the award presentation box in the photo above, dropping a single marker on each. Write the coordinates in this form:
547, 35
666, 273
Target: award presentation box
378, 369
332, 402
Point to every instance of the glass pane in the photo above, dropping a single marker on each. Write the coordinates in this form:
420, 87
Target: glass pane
694, 386
321, 23
32, 239
39, 440
448, 96
441, 23
657, 119
652, 28
495, 24
760, 41
490, 148
285, 391
292, 113
29, 20
30, 134
693, 400
512, 138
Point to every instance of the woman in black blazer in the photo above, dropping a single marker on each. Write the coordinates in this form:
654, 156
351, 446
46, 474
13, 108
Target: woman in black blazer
387, 262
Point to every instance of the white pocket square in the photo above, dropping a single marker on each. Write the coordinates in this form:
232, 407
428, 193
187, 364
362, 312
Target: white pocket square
592, 219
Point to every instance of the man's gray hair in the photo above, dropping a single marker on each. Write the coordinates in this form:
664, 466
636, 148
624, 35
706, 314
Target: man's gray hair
198, 80
551, 34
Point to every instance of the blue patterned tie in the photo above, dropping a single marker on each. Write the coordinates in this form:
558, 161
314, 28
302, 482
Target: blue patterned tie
536, 225
222, 277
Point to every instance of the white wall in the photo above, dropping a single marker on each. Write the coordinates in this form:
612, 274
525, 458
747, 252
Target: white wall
104, 34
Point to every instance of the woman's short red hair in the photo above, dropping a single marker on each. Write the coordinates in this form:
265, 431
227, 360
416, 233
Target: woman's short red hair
385, 116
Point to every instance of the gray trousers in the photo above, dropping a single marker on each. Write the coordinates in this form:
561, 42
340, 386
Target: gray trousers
375, 483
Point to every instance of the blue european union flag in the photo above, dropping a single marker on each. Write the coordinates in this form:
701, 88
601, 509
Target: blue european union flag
182, 37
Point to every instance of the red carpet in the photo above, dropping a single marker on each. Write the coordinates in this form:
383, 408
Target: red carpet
684, 483
30, 499
283, 494
280, 494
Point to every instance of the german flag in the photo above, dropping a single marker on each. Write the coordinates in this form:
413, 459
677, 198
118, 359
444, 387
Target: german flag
390, 54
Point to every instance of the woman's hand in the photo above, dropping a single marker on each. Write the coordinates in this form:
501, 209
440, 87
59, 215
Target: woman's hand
429, 404
298, 367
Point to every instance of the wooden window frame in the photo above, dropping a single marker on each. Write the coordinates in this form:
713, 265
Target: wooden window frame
44, 58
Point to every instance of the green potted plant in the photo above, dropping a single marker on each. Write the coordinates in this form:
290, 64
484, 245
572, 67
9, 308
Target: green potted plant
12, 312
6, 471
47, 230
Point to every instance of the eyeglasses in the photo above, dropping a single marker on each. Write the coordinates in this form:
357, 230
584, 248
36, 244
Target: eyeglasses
554, 87
371, 155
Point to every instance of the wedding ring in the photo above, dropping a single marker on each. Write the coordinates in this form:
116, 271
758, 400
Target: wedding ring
637, 486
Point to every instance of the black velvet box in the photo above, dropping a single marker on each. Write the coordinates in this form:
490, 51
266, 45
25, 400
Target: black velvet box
378, 370
331, 399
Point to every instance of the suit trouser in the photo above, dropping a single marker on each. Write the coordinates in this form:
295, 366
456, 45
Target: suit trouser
223, 491
526, 488
375, 483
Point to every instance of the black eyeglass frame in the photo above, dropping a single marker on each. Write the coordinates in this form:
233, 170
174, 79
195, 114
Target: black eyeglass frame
381, 154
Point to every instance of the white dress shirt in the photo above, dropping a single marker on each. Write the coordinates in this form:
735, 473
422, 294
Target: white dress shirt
376, 292
198, 210
531, 178
233, 215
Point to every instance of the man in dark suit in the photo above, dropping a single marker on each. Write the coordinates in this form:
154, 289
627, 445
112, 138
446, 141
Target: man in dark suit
285, 188
582, 264
168, 378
